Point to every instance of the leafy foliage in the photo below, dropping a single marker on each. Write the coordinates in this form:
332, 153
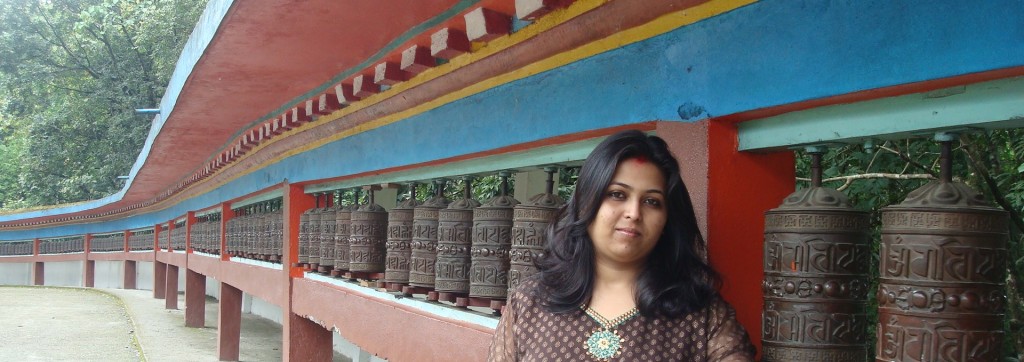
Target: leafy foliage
991, 162
71, 74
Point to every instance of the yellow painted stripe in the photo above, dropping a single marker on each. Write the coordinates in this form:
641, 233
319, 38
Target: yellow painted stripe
658, 26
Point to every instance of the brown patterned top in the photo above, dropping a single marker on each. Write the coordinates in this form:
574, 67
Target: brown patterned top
528, 332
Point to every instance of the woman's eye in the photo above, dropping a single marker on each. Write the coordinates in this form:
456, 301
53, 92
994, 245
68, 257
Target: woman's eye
653, 202
617, 195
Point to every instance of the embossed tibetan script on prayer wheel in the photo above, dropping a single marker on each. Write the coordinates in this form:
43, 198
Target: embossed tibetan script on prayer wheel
304, 237
424, 238
454, 231
942, 269
343, 230
315, 215
530, 222
328, 228
399, 248
276, 231
492, 241
816, 260
369, 236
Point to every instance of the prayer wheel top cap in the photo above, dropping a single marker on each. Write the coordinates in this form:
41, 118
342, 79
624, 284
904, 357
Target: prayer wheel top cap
437, 202
464, 204
371, 208
816, 198
545, 200
501, 201
349, 208
949, 194
408, 204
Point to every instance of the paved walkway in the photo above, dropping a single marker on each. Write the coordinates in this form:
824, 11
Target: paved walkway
81, 324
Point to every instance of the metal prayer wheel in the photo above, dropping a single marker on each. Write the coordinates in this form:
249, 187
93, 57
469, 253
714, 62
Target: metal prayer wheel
530, 223
328, 228
369, 236
942, 268
304, 236
314, 235
454, 231
276, 231
249, 221
816, 263
343, 225
492, 241
263, 232
232, 225
399, 248
165, 236
424, 238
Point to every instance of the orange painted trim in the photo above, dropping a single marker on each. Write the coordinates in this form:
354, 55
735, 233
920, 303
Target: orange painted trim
877, 93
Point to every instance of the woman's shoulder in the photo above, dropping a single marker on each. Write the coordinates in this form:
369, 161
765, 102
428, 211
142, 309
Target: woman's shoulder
525, 292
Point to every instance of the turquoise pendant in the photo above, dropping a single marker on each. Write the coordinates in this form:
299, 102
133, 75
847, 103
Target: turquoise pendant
604, 344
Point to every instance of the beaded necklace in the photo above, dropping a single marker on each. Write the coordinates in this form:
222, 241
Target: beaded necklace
605, 342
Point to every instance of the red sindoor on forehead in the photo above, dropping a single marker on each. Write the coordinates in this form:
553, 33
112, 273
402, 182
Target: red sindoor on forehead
641, 159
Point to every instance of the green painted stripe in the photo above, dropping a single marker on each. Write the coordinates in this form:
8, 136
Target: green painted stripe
569, 154
996, 104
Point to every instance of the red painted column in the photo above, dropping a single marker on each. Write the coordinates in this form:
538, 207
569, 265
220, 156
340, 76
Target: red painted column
225, 215
130, 274
229, 322
37, 274
731, 190
303, 340
159, 268
190, 220
159, 279
37, 267
89, 274
171, 289
195, 299
130, 267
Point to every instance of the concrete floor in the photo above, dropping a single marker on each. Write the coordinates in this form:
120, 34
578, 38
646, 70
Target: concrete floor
80, 324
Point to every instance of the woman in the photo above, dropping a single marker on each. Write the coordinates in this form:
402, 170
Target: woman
622, 277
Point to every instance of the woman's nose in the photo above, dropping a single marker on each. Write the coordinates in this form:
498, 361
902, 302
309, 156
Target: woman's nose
632, 210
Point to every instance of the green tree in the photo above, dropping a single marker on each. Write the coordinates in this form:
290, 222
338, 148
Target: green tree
71, 74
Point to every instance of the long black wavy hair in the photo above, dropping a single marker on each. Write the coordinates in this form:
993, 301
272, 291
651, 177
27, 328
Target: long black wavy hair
675, 281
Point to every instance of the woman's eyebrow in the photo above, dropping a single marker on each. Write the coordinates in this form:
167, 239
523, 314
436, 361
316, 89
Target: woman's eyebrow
657, 191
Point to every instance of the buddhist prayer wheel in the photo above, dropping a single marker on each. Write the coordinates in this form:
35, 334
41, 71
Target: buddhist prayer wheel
315, 215
139, 240
304, 238
165, 236
530, 222
942, 268
328, 228
492, 241
263, 243
454, 231
343, 231
424, 238
177, 238
399, 243
276, 230
816, 260
368, 237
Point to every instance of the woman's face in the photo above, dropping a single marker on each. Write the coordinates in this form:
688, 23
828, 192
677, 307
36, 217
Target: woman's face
632, 214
